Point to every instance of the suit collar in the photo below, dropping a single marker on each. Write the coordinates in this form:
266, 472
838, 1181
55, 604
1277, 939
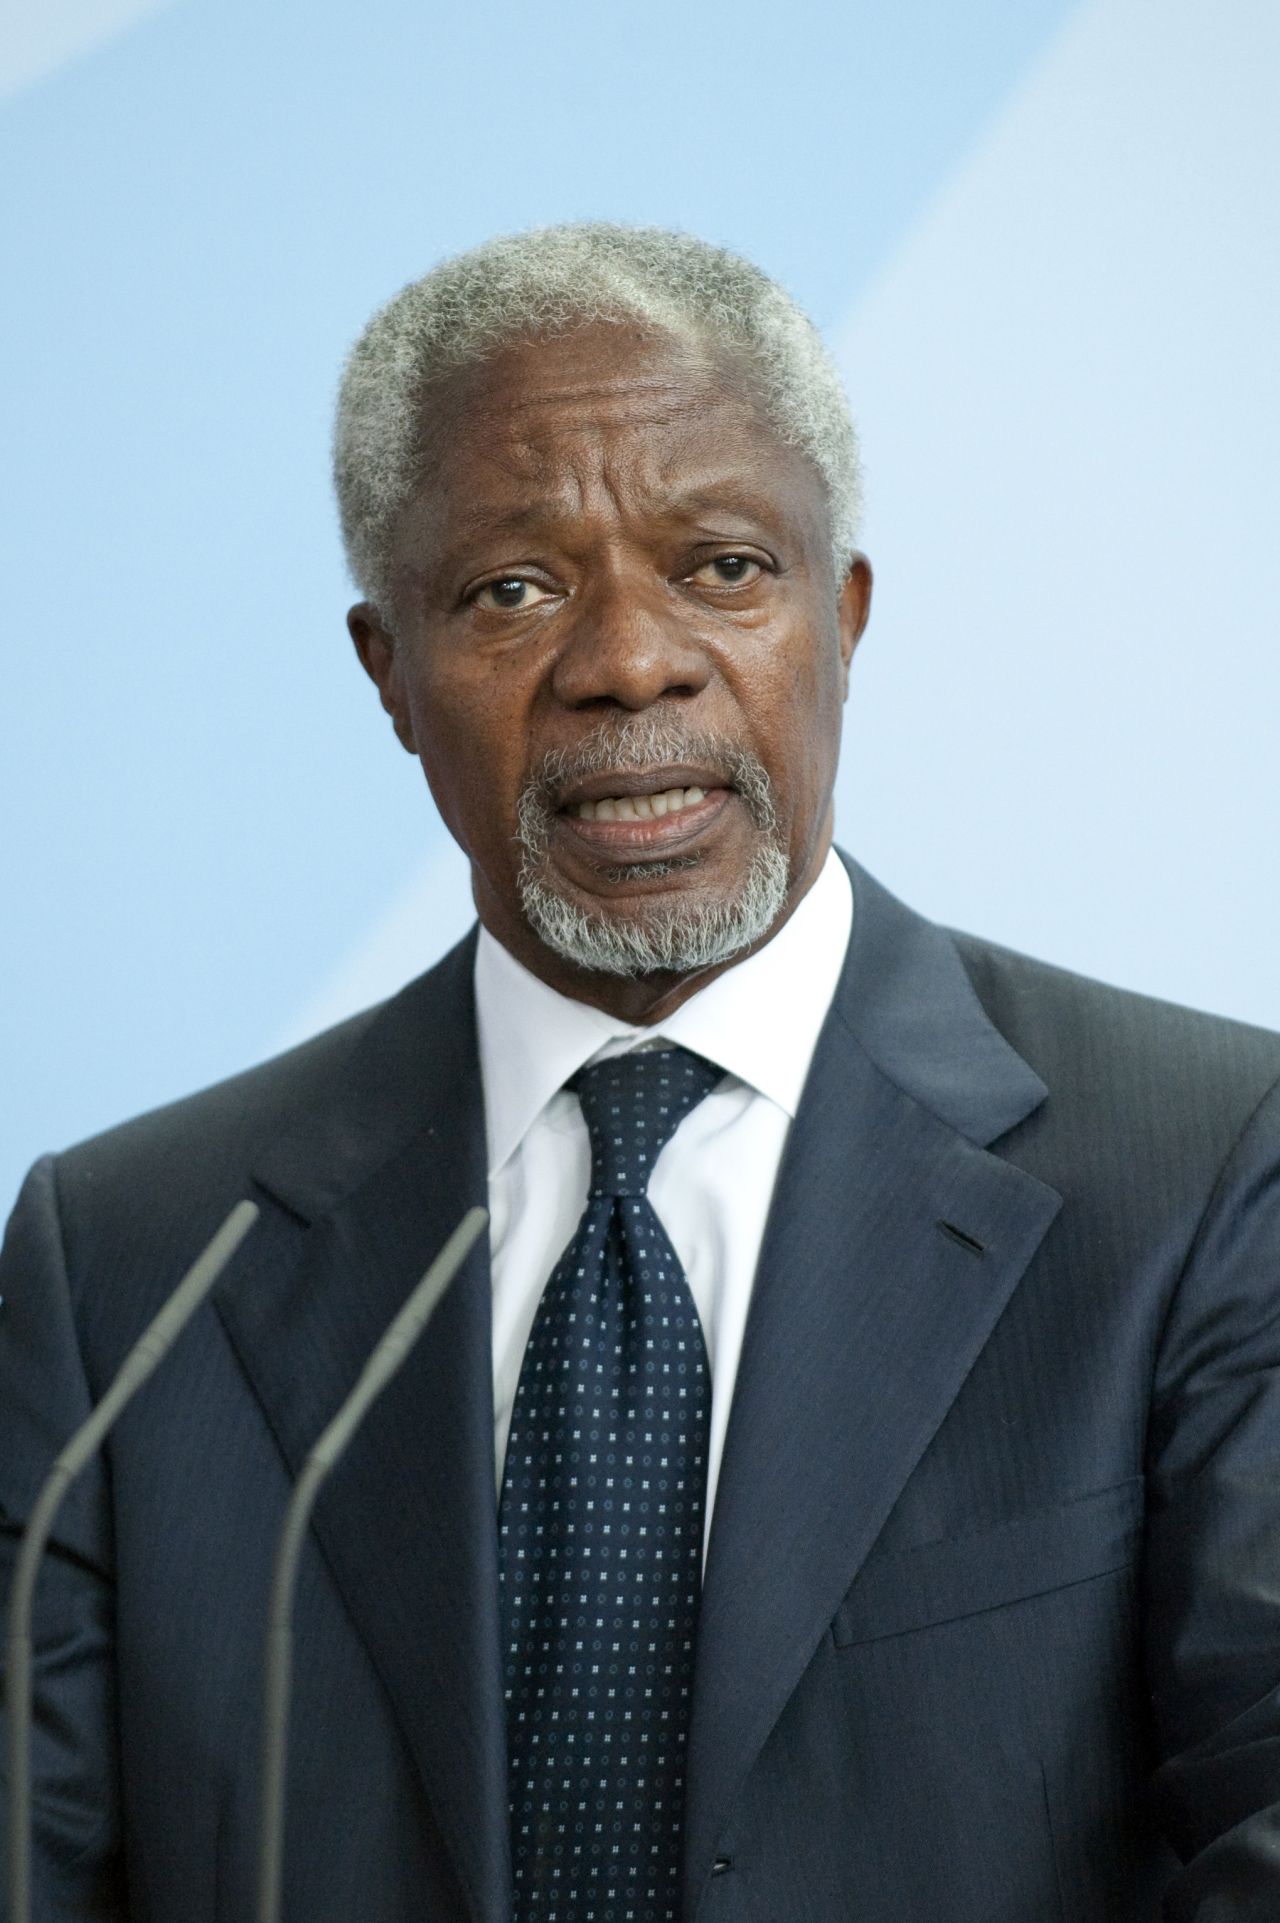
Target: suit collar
905, 997
903, 993
403, 1054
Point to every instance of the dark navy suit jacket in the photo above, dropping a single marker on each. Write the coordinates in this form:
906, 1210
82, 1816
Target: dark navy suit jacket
991, 1623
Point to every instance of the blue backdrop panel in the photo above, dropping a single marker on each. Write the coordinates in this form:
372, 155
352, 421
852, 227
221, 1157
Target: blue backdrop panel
210, 841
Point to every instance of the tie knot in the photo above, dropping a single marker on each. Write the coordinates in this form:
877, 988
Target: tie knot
633, 1105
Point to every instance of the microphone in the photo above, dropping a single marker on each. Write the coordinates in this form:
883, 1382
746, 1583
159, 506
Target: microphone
391, 1351
146, 1354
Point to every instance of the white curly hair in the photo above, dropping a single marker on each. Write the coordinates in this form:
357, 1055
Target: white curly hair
546, 281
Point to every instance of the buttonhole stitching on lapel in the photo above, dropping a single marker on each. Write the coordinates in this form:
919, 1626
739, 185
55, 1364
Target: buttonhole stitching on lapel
968, 1242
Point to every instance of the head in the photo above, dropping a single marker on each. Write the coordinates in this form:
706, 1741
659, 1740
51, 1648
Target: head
600, 489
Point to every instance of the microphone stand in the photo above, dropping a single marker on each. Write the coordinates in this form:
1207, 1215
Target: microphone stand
146, 1354
391, 1351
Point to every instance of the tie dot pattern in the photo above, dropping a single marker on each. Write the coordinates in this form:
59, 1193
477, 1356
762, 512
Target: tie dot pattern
601, 1522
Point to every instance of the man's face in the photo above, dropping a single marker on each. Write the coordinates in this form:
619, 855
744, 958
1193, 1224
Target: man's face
620, 654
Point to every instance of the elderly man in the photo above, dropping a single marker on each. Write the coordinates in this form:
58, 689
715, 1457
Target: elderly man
847, 1486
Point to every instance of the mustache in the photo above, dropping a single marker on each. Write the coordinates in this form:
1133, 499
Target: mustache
644, 746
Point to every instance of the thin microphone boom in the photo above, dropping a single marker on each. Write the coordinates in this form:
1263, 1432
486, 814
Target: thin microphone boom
386, 1359
147, 1352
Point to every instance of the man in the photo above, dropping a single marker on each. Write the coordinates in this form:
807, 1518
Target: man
922, 1300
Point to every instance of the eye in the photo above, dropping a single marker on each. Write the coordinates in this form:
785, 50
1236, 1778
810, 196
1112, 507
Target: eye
729, 571
509, 594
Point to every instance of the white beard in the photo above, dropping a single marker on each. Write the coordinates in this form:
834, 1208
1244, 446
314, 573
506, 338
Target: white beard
671, 939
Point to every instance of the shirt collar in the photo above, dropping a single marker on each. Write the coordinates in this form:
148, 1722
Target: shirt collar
759, 1020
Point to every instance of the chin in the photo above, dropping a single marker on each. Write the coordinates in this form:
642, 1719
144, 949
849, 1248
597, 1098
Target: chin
673, 937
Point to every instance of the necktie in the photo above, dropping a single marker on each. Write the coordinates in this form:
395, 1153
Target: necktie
600, 1521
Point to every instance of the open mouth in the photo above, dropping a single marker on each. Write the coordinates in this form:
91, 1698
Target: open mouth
643, 813
604, 825
643, 797
631, 807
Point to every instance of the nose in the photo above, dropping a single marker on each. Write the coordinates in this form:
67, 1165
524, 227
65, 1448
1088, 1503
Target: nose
629, 646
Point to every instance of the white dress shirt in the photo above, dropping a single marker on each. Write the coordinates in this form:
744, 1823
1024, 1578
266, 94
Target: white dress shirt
713, 1182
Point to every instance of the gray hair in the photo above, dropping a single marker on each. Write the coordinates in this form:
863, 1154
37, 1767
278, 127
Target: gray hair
547, 281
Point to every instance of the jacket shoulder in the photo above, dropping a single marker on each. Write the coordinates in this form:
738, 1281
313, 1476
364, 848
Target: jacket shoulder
371, 1069
244, 1110
1119, 1050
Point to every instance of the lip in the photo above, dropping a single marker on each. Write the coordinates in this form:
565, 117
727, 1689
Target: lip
666, 834
655, 782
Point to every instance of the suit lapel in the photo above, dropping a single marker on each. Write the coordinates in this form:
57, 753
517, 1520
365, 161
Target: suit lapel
373, 1184
866, 1317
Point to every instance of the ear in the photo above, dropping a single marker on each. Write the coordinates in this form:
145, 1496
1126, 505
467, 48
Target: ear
853, 610
383, 662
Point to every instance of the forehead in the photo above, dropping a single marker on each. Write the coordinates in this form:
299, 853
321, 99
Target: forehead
546, 424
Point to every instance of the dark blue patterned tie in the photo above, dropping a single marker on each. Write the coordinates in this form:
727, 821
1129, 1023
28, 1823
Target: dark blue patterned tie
601, 1529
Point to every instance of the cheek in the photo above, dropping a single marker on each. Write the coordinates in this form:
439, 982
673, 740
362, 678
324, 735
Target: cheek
805, 702
471, 753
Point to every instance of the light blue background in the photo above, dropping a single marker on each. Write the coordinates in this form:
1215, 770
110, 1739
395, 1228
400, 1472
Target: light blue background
1041, 238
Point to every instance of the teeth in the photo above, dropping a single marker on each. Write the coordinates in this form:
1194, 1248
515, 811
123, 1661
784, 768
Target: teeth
640, 807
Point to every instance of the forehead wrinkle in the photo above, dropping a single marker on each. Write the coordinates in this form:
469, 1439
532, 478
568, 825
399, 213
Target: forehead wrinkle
656, 397
579, 400
571, 497
648, 452
528, 431
544, 485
